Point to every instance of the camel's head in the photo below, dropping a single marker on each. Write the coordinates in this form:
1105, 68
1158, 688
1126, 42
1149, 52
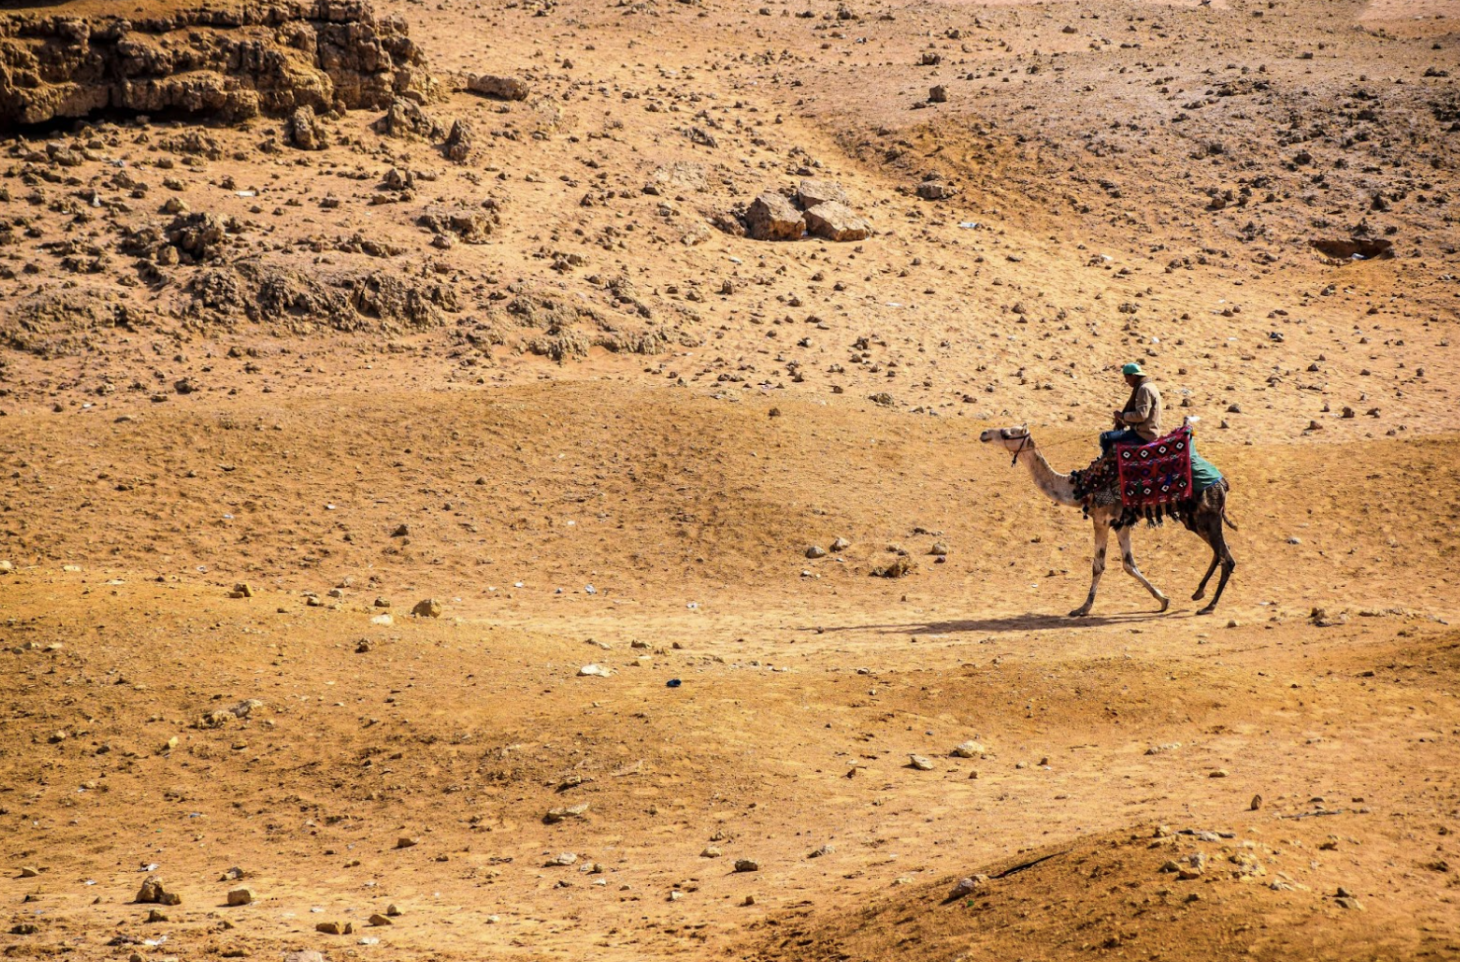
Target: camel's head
1013, 440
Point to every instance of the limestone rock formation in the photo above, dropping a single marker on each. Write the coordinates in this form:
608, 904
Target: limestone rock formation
228, 61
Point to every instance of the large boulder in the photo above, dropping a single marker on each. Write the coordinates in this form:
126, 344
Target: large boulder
836, 222
773, 217
810, 193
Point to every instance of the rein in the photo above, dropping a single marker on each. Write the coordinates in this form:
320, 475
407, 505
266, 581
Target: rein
1019, 450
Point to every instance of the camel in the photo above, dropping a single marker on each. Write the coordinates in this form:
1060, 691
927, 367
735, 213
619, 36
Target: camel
1205, 515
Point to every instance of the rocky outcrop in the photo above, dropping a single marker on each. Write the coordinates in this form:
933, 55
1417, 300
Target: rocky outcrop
836, 222
228, 62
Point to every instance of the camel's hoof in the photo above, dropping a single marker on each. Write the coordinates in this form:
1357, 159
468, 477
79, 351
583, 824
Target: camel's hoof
1201, 593
1165, 603
1079, 612
1207, 610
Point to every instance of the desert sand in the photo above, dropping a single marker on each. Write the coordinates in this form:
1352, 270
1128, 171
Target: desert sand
437, 525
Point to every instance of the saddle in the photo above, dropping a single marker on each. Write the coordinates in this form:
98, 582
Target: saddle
1150, 481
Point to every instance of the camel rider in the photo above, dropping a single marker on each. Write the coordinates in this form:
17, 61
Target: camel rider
1140, 421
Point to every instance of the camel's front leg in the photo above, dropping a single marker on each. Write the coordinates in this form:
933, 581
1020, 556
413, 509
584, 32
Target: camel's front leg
1128, 560
1097, 568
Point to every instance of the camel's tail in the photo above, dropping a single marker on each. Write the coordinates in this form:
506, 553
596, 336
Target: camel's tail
1226, 520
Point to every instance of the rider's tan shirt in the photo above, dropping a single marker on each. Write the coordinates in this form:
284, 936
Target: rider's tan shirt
1143, 411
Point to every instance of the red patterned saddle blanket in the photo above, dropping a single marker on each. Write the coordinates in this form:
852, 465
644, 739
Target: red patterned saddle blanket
1157, 474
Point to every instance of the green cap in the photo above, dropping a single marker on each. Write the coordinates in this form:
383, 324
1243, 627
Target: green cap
1133, 368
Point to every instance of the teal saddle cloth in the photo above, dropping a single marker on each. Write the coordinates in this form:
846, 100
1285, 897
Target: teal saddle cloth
1204, 474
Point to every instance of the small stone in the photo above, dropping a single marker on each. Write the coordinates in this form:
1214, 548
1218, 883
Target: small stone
711, 851
305, 130
392, 911
556, 815
969, 750
920, 763
815, 551
460, 141
501, 88
938, 94
308, 955
939, 550
240, 896
593, 671
1350, 903
335, 928
826, 849
427, 608
407, 842
967, 886
840, 544
377, 920
241, 590
564, 859
936, 190
1256, 803
901, 567
747, 865
748, 900
157, 915
1219, 773
28, 871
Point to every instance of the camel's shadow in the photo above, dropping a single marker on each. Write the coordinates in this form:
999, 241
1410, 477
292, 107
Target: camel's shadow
1028, 621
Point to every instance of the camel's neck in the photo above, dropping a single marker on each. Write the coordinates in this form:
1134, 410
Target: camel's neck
1057, 487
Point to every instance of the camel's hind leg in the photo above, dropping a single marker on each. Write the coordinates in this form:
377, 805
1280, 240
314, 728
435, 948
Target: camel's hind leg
1097, 566
1128, 560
